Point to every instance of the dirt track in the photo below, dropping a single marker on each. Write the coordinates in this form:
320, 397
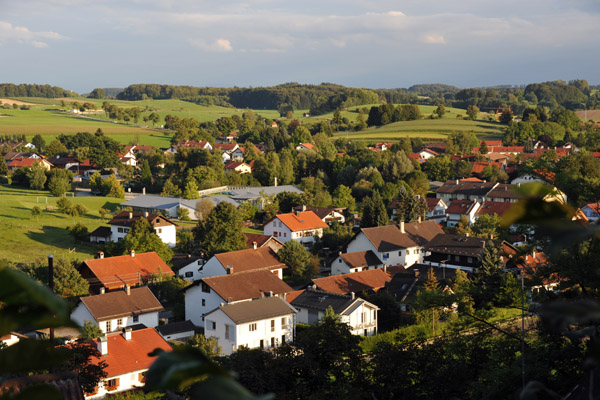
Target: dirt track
17, 102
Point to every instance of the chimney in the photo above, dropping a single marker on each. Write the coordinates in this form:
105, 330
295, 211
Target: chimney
457, 181
419, 219
254, 245
402, 227
384, 267
102, 290
132, 253
262, 294
102, 345
491, 235
466, 234
128, 290
143, 191
100, 254
297, 212
130, 215
416, 271
303, 207
127, 333
146, 214
229, 270
314, 286
483, 244
270, 293
352, 295
533, 253
275, 182
51, 271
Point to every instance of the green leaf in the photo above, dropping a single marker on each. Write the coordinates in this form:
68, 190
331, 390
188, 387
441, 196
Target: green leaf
30, 354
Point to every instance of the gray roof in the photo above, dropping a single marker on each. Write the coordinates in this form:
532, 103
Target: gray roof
255, 310
153, 201
254, 192
320, 300
175, 327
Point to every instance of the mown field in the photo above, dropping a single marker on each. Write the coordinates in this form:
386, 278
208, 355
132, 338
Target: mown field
25, 237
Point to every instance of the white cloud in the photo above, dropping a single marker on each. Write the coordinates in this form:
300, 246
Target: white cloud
217, 45
22, 35
434, 39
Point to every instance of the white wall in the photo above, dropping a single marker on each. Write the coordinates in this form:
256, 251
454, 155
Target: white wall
241, 334
180, 335
167, 234
359, 323
278, 230
193, 303
196, 268
81, 314
126, 382
213, 267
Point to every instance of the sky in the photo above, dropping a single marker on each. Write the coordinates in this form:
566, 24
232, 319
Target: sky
84, 44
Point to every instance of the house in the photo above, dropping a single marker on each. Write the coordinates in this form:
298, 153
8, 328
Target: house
114, 273
364, 281
264, 323
176, 330
166, 206
426, 153
404, 286
591, 211
306, 146
28, 163
124, 221
114, 311
11, 338
13, 155
464, 190
327, 215
187, 264
261, 195
347, 263
102, 234
461, 252
127, 357
301, 226
261, 258
238, 154
436, 209
493, 207
190, 144
359, 314
231, 138
462, 208
227, 150
207, 293
62, 162
400, 244
238, 167
255, 240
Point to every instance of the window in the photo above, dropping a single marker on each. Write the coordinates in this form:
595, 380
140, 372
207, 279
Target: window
284, 234
112, 384
159, 230
400, 253
386, 256
339, 260
205, 288
189, 274
200, 262
203, 303
119, 323
456, 258
227, 332
120, 230
272, 325
282, 338
252, 327
469, 260
142, 377
283, 323
108, 326
136, 318
212, 325
272, 342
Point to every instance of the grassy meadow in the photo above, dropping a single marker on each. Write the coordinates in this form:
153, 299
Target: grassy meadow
25, 237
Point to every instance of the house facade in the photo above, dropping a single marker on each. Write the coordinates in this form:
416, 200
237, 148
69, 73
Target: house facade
302, 226
436, 209
462, 208
262, 258
114, 311
264, 323
346, 263
163, 227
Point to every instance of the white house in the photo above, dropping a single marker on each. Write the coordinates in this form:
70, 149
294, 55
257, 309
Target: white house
327, 215
428, 153
346, 263
262, 258
306, 146
190, 268
190, 144
127, 360
460, 208
176, 330
206, 294
401, 244
263, 323
359, 314
114, 311
163, 227
301, 226
436, 209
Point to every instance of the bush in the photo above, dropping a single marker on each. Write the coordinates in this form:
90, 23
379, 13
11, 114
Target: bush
65, 205
79, 231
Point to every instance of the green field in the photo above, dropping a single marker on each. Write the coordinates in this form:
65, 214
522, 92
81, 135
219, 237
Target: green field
25, 238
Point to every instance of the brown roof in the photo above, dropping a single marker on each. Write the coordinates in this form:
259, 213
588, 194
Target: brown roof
466, 187
120, 304
460, 206
373, 279
260, 240
389, 237
504, 191
246, 311
251, 285
129, 218
494, 207
113, 272
291, 296
432, 202
250, 259
457, 245
361, 259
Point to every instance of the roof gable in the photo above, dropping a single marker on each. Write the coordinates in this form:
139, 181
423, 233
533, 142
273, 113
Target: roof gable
129, 218
126, 270
250, 285
301, 221
256, 310
390, 237
373, 279
250, 259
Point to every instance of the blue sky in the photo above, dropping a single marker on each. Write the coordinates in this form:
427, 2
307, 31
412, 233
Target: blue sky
81, 44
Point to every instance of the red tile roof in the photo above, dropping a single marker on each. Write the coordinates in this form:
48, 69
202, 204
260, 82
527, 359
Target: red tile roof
259, 239
301, 221
478, 167
373, 279
127, 356
460, 206
115, 272
494, 207
26, 162
432, 202
250, 260
308, 146
226, 146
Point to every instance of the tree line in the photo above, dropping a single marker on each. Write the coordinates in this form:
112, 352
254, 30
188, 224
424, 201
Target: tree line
33, 90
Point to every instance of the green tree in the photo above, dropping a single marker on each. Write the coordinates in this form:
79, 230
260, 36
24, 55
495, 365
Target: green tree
203, 208
507, 116
209, 346
142, 238
483, 149
58, 185
36, 211
374, 212
191, 190
221, 230
486, 225
68, 282
438, 168
96, 181
146, 174
296, 257
103, 212
97, 94
342, 197
79, 231
183, 214
91, 330
487, 278
37, 176
55, 148
65, 205
430, 301
170, 189
472, 111
3, 167
111, 187
440, 110
337, 119
39, 143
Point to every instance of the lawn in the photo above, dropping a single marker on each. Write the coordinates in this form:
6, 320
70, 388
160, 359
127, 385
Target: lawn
25, 237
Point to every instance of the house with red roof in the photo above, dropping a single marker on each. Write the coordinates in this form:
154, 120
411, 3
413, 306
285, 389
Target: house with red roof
301, 226
228, 150
190, 144
363, 281
459, 208
493, 207
238, 167
240, 261
306, 146
21, 162
426, 153
436, 209
127, 359
256, 240
114, 273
